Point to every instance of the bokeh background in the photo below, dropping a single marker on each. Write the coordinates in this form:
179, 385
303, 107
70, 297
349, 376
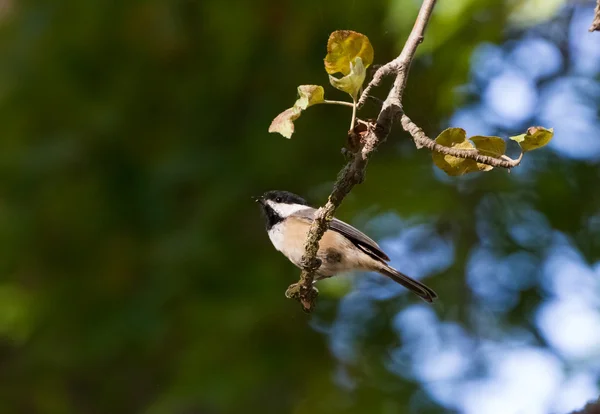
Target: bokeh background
136, 275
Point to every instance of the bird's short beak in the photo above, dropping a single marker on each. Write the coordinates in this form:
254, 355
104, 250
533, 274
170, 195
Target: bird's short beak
258, 200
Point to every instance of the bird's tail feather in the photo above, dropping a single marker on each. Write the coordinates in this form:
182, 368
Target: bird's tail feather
426, 293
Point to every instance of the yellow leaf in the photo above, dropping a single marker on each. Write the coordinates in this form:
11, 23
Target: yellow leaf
284, 122
308, 95
352, 82
451, 165
490, 146
536, 137
343, 47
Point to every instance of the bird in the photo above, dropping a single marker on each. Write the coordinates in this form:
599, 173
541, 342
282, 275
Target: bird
342, 248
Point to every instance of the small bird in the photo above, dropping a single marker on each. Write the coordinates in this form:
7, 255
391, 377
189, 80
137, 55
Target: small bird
342, 248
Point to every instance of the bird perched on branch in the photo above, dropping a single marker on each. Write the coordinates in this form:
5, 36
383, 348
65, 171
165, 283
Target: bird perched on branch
342, 248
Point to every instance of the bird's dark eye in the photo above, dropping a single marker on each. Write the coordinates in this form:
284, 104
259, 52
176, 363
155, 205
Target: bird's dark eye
278, 199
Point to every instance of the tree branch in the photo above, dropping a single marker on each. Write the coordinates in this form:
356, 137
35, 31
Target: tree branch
595, 27
401, 66
353, 173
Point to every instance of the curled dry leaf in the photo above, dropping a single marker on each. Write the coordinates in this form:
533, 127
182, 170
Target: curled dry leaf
284, 122
308, 95
352, 82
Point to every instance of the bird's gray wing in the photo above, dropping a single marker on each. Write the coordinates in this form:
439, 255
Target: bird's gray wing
358, 238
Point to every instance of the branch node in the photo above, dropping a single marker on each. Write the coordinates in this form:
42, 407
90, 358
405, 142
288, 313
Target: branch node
356, 136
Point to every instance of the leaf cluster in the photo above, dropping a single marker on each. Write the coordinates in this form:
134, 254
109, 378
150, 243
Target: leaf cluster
349, 53
536, 137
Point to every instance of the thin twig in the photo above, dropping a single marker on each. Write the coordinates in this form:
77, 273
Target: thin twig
415, 38
595, 27
385, 70
353, 173
401, 65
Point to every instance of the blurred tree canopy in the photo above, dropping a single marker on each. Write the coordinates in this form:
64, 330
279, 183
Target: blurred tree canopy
137, 276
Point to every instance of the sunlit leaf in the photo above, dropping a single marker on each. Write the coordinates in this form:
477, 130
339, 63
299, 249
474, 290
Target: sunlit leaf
490, 146
308, 95
284, 122
343, 47
536, 137
457, 138
352, 82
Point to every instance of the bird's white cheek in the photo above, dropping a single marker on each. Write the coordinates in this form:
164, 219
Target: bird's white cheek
285, 210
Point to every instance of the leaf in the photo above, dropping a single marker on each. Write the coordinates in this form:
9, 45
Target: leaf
343, 47
352, 82
457, 138
536, 137
490, 146
454, 166
309, 95
284, 122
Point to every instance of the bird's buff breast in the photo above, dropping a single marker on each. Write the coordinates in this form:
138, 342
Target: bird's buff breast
289, 239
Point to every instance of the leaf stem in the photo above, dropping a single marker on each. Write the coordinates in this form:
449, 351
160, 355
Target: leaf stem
353, 114
343, 103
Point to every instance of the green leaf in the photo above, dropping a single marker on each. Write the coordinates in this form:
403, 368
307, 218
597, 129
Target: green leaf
352, 82
457, 138
343, 47
309, 95
536, 137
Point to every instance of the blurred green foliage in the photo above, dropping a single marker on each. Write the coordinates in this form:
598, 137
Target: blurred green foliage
136, 274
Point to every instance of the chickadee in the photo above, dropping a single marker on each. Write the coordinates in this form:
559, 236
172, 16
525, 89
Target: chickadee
342, 248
